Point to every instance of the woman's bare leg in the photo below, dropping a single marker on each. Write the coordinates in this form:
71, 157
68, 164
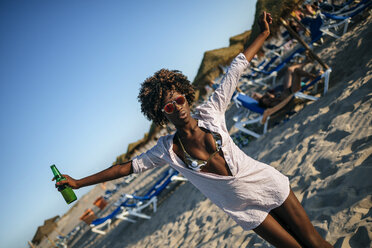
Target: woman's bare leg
271, 231
287, 83
296, 78
257, 96
293, 214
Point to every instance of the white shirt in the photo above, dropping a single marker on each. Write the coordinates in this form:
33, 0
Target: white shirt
254, 188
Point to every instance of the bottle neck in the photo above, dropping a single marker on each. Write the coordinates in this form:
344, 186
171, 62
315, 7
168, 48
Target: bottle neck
57, 175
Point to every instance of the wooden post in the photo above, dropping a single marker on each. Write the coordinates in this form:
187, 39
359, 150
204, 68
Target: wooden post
30, 244
51, 241
59, 232
297, 37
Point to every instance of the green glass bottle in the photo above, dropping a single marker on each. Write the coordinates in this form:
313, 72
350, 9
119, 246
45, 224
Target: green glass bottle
65, 190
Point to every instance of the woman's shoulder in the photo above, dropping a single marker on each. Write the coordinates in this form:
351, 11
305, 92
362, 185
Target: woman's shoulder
207, 112
165, 140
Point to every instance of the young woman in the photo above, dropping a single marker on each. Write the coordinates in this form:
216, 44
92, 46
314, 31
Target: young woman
254, 194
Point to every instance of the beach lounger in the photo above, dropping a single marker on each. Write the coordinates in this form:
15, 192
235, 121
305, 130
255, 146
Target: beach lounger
262, 114
103, 225
333, 21
336, 8
273, 57
281, 49
351, 10
110, 192
254, 72
133, 205
266, 75
61, 241
329, 24
333, 24
320, 25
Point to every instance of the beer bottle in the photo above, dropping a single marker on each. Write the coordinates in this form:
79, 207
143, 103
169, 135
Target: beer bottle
65, 190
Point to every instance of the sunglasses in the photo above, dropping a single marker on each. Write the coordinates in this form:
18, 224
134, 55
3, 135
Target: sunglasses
170, 107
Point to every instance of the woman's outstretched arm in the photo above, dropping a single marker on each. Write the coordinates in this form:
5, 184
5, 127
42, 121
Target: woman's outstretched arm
111, 173
221, 97
264, 22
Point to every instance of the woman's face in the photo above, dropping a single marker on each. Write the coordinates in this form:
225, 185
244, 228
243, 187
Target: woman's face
181, 111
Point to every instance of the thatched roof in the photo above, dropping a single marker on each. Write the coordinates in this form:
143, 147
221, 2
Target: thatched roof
44, 230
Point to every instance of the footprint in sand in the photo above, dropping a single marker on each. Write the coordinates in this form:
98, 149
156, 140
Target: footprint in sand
362, 143
337, 135
360, 238
325, 166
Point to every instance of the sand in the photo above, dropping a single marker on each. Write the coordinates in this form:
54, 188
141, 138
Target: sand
325, 149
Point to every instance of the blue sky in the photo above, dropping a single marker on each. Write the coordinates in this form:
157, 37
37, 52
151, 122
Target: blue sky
69, 78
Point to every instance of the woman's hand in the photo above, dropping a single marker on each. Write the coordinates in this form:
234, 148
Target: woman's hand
68, 181
111, 173
264, 21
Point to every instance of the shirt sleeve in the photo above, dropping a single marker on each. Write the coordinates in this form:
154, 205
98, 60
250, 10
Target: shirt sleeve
221, 97
149, 159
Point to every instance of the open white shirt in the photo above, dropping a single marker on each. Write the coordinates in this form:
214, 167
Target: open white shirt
254, 188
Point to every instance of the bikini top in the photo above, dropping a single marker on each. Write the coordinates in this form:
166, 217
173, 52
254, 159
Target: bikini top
196, 164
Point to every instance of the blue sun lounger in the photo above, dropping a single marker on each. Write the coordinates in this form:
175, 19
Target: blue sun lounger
349, 9
132, 205
263, 114
103, 225
333, 21
329, 24
272, 73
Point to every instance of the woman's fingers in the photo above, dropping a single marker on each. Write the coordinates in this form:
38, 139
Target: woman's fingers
269, 19
263, 16
63, 181
264, 21
69, 181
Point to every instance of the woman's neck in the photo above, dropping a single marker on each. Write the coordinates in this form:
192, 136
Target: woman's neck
188, 128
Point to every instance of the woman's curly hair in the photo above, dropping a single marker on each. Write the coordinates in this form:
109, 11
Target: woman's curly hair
154, 89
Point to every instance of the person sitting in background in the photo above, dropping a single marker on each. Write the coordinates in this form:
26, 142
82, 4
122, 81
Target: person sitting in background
310, 7
292, 84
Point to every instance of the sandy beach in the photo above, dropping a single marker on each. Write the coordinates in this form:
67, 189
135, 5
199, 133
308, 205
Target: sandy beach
325, 149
